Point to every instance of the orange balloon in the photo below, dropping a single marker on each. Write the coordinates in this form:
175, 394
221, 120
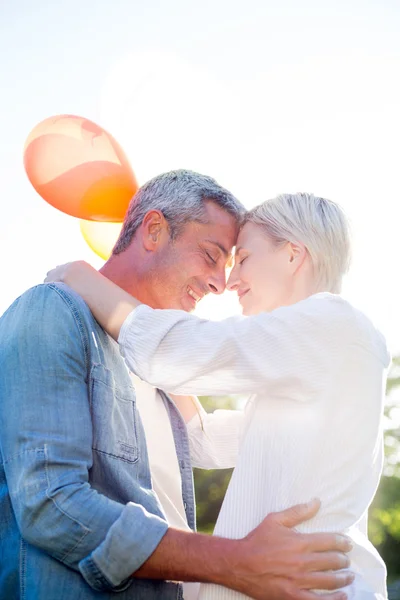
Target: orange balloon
79, 168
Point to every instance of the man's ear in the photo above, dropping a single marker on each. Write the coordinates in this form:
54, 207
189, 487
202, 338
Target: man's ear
154, 229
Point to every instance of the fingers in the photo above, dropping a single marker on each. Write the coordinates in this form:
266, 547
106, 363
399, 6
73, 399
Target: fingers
298, 514
303, 595
326, 542
328, 581
51, 276
326, 561
56, 274
338, 596
325, 581
314, 585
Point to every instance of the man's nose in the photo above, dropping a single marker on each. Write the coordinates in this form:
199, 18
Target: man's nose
217, 282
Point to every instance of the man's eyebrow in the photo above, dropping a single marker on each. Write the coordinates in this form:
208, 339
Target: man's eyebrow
221, 247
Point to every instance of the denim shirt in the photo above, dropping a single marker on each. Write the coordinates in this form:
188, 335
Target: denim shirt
77, 511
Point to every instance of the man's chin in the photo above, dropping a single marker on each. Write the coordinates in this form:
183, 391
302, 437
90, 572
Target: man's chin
188, 304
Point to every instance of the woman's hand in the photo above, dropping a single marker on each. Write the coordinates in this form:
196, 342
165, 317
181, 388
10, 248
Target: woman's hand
109, 303
69, 272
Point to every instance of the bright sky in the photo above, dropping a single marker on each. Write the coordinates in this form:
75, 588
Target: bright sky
265, 96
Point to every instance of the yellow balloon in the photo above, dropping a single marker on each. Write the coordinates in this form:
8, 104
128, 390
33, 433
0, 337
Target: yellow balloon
100, 237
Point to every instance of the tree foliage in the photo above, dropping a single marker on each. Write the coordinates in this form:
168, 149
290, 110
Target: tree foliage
384, 514
211, 485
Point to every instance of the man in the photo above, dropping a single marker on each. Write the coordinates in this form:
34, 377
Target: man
78, 515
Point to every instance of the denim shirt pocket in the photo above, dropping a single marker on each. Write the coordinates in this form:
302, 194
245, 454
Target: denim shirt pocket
114, 416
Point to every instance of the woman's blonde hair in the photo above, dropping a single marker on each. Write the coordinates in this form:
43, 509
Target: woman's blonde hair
319, 224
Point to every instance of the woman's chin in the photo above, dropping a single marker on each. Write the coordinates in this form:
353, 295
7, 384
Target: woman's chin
250, 306
248, 310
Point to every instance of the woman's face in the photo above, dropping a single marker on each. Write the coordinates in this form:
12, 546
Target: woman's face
263, 272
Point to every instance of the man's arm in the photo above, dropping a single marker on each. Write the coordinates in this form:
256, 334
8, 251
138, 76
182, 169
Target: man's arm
272, 563
46, 445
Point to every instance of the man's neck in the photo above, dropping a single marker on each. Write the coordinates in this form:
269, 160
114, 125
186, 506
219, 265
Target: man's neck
123, 273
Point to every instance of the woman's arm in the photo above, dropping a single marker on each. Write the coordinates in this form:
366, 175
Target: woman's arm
213, 437
214, 440
109, 303
110, 306
188, 406
182, 354
285, 352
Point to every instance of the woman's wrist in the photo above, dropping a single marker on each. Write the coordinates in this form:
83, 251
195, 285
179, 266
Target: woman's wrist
76, 272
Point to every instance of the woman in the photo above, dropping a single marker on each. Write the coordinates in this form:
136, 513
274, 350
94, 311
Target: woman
315, 365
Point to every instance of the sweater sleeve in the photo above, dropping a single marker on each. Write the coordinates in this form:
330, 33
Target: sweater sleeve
282, 350
214, 438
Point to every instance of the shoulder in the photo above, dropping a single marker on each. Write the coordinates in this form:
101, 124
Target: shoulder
57, 294
46, 331
319, 310
44, 306
345, 322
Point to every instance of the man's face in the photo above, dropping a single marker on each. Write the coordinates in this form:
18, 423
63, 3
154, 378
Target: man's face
194, 264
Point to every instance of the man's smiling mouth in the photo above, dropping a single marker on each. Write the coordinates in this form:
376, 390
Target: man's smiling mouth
193, 294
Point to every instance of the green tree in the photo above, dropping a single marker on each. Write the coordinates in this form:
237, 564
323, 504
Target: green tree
210, 485
384, 514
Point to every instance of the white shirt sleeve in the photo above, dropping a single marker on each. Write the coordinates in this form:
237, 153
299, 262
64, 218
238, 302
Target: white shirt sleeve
214, 438
184, 354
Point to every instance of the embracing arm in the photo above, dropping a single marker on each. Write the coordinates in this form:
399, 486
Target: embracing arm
270, 352
214, 438
109, 303
226, 562
46, 444
183, 354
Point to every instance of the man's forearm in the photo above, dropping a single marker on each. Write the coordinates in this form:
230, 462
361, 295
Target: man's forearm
273, 561
186, 556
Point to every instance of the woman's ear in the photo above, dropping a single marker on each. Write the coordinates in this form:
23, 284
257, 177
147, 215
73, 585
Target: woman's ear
297, 255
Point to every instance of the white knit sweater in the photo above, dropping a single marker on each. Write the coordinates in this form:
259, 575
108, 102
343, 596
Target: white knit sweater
313, 427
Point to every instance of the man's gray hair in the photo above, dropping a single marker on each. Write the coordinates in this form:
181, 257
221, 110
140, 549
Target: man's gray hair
319, 224
180, 196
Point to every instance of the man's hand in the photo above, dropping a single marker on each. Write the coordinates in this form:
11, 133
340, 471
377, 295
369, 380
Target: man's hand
273, 562
282, 564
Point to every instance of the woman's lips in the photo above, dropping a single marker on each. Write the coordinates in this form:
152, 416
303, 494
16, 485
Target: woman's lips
242, 293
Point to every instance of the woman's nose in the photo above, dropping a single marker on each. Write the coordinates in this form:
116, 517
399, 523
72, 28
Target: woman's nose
233, 280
